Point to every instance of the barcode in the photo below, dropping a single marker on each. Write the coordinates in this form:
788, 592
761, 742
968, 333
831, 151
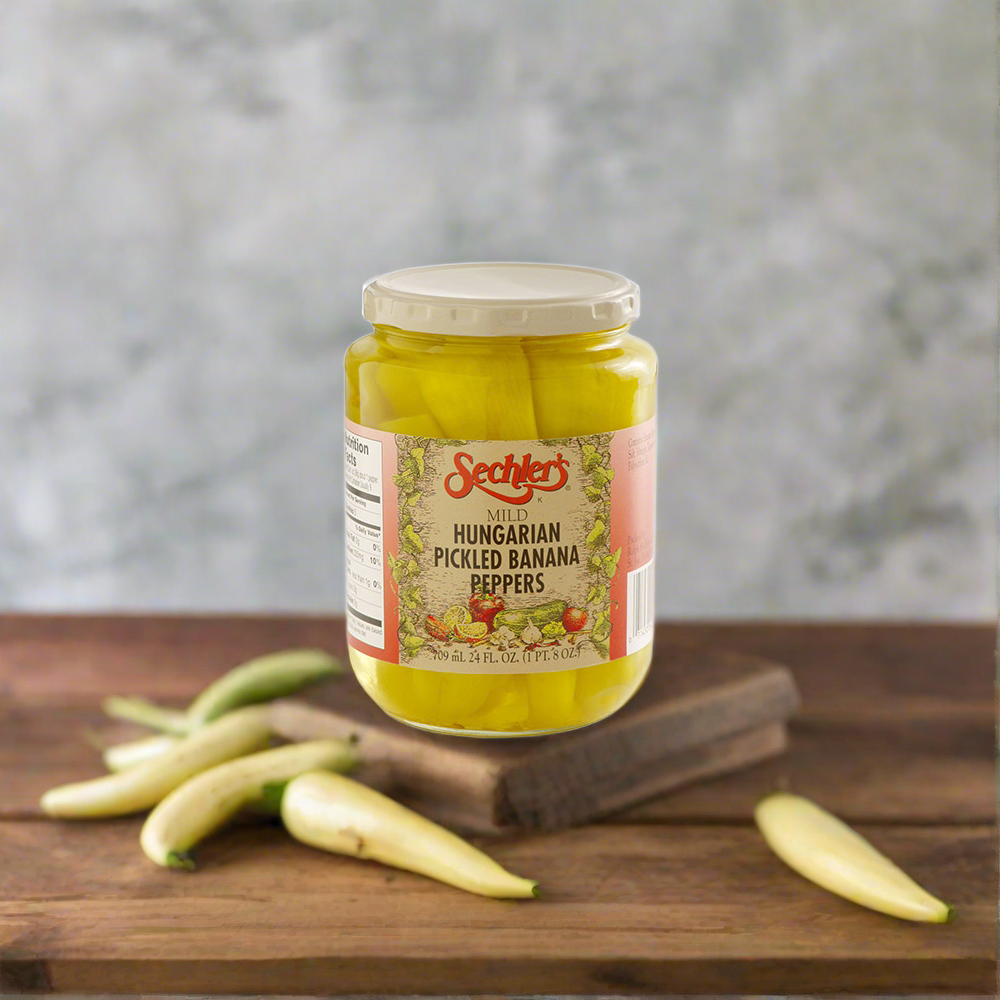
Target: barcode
639, 612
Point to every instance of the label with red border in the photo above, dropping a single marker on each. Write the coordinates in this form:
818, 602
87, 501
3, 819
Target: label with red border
500, 556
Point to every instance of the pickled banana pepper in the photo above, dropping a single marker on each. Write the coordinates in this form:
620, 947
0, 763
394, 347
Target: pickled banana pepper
500, 468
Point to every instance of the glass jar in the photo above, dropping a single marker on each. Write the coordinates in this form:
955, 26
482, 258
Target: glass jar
500, 450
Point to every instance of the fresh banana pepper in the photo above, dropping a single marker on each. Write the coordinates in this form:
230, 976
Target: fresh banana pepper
500, 474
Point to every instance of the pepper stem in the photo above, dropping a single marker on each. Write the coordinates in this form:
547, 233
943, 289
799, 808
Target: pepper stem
270, 799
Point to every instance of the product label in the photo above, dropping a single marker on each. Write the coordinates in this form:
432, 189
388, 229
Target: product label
500, 556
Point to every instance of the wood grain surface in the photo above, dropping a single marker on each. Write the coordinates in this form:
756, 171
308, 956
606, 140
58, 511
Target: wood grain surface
677, 896
623, 907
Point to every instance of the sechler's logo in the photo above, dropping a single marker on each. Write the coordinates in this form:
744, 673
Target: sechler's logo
513, 481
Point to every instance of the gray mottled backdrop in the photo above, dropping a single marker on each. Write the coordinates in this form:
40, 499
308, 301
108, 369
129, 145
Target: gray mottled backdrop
193, 193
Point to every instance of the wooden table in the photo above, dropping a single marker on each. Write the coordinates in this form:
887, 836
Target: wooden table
676, 896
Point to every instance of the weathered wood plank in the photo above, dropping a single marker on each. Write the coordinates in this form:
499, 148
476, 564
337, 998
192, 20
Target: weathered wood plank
625, 909
700, 712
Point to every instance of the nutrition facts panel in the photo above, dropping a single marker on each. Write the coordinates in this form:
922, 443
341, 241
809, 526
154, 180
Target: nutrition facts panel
363, 506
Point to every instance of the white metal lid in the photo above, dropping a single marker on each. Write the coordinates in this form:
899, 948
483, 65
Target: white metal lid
501, 300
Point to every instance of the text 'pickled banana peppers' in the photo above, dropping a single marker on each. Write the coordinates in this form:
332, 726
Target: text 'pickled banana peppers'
500, 457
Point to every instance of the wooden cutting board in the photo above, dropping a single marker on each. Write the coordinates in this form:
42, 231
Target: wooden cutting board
701, 712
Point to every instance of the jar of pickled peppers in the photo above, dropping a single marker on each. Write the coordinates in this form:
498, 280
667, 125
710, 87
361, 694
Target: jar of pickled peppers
500, 473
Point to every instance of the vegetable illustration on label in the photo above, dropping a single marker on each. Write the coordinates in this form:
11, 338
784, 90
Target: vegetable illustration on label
485, 607
540, 615
531, 635
437, 629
